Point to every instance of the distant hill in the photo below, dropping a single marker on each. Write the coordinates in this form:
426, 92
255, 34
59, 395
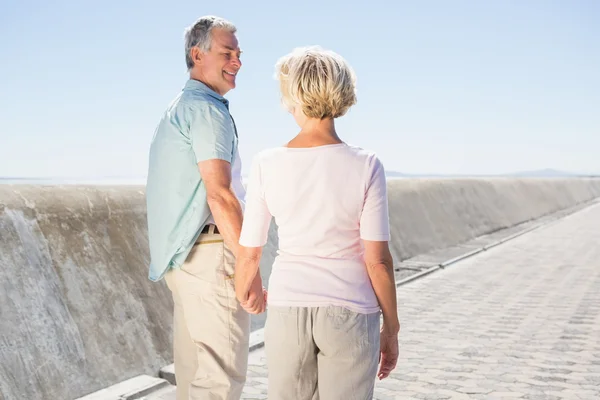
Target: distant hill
72, 181
549, 173
541, 173
394, 174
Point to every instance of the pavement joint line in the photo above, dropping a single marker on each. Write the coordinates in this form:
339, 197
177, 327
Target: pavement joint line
454, 260
407, 268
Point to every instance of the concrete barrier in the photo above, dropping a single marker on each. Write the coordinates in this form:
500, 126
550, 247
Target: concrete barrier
78, 314
430, 214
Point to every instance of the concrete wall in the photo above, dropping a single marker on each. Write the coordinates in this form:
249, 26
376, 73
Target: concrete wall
429, 214
78, 313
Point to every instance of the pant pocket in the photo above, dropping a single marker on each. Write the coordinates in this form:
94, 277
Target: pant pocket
210, 261
226, 274
345, 329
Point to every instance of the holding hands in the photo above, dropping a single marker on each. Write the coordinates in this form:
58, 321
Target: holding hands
249, 289
256, 298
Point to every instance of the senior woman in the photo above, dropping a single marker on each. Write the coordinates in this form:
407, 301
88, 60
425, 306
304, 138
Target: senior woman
333, 275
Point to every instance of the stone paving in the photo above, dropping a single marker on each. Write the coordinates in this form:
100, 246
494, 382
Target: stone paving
520, 321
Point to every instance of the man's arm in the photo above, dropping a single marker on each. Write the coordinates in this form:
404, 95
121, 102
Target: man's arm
222, 201
227, 212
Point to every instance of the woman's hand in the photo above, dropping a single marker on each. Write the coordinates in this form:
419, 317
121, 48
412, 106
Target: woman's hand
255, 301
247, 280
389, 353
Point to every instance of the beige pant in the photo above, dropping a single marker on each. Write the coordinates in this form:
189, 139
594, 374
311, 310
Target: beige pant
211, 330
327, 353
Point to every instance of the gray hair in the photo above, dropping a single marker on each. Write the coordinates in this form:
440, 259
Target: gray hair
199, 35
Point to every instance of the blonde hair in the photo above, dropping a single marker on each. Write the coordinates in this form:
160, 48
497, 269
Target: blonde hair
319, 81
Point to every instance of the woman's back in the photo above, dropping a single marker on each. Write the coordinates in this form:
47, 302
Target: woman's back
324, 200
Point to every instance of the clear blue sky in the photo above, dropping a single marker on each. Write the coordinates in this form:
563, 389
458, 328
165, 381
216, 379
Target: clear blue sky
443, 86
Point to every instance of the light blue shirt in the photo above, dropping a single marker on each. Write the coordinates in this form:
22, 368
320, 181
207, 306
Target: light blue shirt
197, 126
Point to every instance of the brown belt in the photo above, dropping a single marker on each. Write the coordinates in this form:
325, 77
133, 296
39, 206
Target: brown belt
206, 229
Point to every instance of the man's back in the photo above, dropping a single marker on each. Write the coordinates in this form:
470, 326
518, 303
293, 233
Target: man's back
196, 126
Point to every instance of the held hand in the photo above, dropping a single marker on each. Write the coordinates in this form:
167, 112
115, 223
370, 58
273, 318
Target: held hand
256, 299
389, 354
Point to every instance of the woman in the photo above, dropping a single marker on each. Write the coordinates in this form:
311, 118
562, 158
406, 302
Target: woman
333, 275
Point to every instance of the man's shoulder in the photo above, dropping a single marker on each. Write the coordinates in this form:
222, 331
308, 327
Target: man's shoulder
193, 108
199, 101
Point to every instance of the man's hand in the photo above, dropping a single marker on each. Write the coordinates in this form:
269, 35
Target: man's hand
256, 301
389, 354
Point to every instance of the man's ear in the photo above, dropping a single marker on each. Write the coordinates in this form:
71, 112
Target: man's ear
196, 55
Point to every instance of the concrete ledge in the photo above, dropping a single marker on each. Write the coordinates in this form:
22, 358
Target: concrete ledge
417, 275
257, 339
131, 389
168, 373
461, 257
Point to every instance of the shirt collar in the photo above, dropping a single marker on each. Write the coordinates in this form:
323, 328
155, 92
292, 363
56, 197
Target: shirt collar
193, 84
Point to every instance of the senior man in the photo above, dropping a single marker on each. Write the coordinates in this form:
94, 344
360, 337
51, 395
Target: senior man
195, 204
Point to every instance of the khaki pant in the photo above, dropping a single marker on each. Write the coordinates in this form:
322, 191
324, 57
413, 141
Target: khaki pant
211, 330
327, 353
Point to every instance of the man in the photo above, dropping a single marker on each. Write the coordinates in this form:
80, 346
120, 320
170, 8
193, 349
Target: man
194, 202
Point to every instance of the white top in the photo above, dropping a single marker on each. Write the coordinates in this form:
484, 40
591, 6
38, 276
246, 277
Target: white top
325, 200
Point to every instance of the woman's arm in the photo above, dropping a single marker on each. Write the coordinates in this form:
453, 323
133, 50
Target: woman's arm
381, 272
380, 268
255, 228
248, 282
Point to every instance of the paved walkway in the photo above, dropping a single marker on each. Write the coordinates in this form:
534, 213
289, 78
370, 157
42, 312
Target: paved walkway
521, 320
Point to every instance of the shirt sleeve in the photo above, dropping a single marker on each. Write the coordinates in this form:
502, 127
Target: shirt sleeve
212, 133
257, 218
374, 220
